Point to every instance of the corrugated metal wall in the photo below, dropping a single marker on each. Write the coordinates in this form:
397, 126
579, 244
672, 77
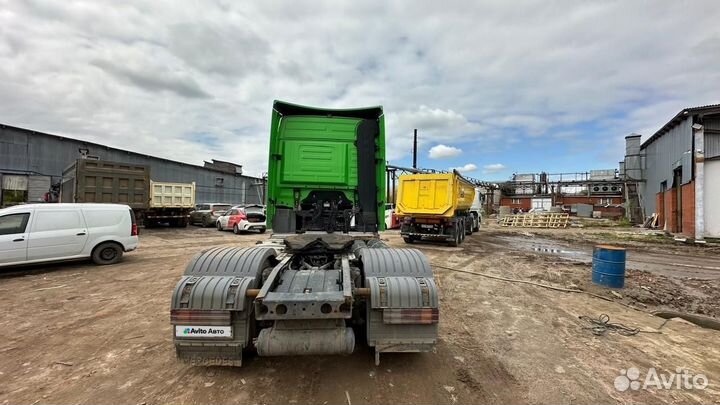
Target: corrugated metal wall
712, 136
662, 156
37, 187
28, 152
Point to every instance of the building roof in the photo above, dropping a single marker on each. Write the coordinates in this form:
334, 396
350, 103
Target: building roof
61, 137
687, 112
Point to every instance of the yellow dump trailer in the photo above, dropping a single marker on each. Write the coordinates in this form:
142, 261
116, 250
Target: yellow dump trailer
435, 205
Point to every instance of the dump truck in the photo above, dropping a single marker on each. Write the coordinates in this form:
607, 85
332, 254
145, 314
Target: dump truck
153, 202
323, 282
435, 206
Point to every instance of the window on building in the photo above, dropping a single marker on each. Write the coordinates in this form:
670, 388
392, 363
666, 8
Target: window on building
606, 201
13, 197
219, 182
516, 201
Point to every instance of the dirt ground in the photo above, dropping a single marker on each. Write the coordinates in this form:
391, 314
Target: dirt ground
78, 333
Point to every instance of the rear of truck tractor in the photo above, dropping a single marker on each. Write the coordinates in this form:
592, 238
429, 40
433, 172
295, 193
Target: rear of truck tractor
324, 282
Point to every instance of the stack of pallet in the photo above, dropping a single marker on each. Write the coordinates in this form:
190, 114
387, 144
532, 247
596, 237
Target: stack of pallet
537, 220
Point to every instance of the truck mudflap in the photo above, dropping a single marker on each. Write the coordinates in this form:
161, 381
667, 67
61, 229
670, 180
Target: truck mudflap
403, 312
210, 311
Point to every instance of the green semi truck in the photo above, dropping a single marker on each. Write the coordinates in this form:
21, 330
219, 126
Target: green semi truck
324, 277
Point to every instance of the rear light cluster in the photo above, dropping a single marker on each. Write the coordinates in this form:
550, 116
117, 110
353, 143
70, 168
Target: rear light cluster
133, 221
424, 316
199, 317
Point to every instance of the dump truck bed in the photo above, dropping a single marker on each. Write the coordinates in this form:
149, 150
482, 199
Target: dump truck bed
99, 181
433, 194
172, 195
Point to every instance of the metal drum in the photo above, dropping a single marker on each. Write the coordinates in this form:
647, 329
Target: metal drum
608, 266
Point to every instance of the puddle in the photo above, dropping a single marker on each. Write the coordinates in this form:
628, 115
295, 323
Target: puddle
665, 264
545, 246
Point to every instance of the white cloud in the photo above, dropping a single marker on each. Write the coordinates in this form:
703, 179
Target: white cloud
443, 151
469, 167
146, 75
493, 168
433, 125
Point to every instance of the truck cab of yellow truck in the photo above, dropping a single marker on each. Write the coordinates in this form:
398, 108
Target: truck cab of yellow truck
435, 206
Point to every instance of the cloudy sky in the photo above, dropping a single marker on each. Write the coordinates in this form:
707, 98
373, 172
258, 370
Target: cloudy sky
493, 88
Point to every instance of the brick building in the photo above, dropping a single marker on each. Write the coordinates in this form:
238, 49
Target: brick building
597, 190
677, 171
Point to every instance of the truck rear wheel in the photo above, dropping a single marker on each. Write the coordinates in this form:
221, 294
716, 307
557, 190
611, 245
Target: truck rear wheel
455, 241
476, 223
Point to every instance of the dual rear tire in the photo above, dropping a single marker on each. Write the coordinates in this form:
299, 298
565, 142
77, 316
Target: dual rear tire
410, 238
458, 234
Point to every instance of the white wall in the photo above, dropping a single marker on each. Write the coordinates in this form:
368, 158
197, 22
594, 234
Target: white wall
712, 198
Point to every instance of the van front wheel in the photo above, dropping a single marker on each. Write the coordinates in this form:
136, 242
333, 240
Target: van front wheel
107, 253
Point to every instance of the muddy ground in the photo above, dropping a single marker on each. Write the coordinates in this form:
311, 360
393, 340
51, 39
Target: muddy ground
78, 333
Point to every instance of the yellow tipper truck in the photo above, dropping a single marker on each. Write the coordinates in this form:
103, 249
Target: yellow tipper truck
435, 206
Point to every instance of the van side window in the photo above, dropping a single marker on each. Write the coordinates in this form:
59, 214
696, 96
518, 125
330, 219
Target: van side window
47, 220
13, 223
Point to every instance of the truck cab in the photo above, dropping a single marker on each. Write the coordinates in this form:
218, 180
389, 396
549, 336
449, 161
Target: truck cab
324, 276
326, 170
476, 210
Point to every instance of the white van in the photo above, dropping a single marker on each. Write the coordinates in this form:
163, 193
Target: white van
37, 233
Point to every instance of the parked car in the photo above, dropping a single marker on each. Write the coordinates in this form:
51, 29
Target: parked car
391, 221
243, 218
36, 233
207, 214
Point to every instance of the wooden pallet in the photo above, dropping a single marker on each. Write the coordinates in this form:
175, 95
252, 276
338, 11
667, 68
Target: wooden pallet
537, 220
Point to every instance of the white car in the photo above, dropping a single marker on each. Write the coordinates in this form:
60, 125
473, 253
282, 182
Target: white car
243, 218
36, 233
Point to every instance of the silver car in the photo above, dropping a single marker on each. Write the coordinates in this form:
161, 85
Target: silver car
207, 214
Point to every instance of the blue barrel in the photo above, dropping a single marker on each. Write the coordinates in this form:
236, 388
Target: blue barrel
608, 266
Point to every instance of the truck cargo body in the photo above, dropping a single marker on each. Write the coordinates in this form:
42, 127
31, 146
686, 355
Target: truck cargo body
98, 181
323, 277
435, 205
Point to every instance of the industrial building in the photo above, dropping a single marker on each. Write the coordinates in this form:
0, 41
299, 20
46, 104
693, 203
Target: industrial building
32, 163
677, 172
597, 192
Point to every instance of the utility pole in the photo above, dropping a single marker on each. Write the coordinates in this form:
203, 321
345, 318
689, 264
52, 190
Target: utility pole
415, 150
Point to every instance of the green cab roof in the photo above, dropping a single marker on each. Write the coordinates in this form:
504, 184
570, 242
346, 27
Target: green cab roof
287, 109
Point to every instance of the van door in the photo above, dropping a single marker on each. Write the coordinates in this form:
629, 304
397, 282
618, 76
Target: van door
14, 237
57, 234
